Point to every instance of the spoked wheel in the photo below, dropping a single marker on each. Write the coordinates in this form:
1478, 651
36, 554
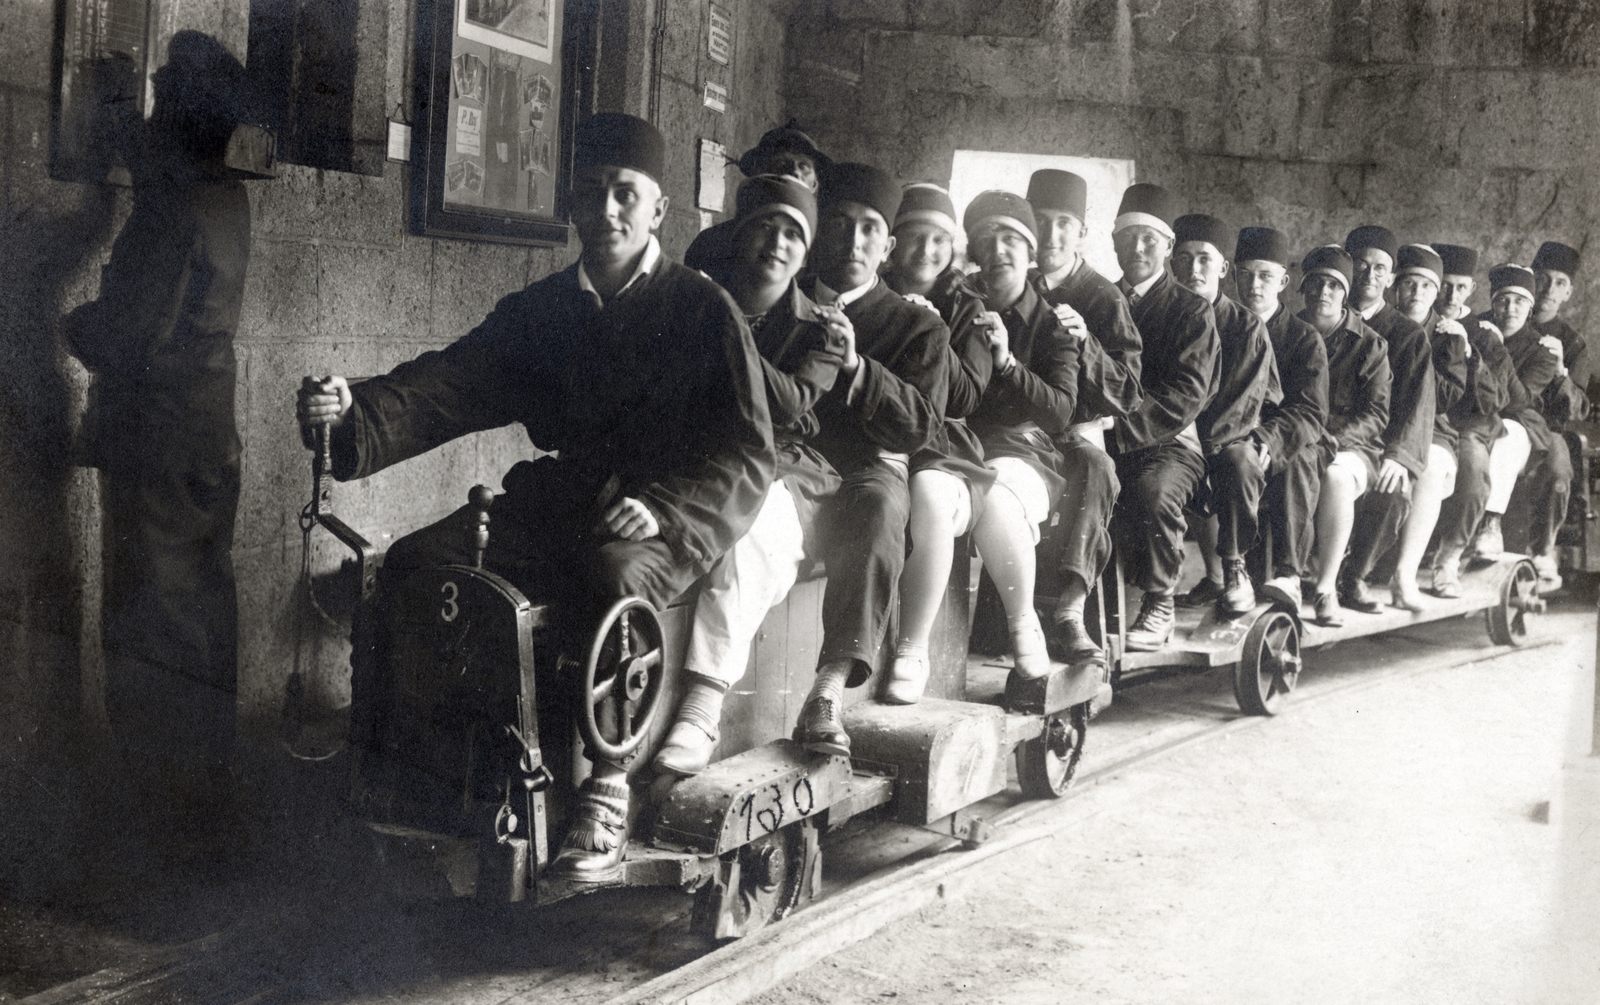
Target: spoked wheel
771, 880
1269, 666
622, 682
1519, 597
1046, 764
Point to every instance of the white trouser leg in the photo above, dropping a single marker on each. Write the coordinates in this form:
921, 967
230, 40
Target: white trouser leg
1507, 457
746, 582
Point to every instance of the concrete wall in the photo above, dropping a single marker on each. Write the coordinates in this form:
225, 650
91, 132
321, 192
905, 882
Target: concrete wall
337, 284
1467, 121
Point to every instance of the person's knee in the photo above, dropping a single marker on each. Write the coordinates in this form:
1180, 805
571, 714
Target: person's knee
935, 499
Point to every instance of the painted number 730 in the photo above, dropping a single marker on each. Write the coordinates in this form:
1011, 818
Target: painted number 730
767, 808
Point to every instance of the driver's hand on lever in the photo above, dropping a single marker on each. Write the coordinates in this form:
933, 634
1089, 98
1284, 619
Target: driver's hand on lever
321, 401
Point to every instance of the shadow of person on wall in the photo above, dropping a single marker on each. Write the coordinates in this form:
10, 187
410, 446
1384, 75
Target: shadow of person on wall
159, 341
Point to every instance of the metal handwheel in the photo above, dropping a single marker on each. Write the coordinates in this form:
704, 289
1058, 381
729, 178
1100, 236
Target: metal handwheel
1269, 665
622, 680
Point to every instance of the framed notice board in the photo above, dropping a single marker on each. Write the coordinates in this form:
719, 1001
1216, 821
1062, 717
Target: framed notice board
494, 139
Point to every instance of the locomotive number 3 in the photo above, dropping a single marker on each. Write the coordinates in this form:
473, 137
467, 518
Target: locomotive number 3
451, 610
765, 810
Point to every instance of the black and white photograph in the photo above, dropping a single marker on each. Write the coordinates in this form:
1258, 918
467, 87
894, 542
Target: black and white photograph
782, 502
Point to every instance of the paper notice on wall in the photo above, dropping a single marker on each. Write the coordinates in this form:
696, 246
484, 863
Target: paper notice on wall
469, 131
399, 141
713, 176
719, 35
716, 97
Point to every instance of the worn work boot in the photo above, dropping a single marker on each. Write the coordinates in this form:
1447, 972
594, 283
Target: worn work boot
687, 750
1238, 595
908, 678
592, 850
1283, 590
1356, 595
1549, 573
1069, 640
1490, 544
1447, 573
1153, 627
820, 730
1205, 593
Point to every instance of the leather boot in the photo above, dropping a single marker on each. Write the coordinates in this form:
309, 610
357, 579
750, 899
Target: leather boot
593, 848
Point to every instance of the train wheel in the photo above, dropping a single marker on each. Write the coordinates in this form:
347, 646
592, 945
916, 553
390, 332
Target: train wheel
1045, 765
622, 682
1269, 666
1519, 596
770, 881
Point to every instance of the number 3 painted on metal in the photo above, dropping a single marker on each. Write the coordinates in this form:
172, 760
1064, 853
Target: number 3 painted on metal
451, 610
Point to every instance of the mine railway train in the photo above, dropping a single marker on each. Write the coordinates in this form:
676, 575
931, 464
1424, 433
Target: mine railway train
462, 772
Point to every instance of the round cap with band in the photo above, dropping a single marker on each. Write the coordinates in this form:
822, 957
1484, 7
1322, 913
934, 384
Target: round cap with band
1002, 209
1148, 206
1061, 191
1332, 261
1457, 259
925, 202
1262, 244
612, 139
1373, 236
872, 187
766, 194
1200, 227
1422, 260
1511, 278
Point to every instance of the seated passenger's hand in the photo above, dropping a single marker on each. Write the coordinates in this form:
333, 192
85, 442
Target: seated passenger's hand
999, 339
1071, 320
321, 402
920, 301
841, 336
1446, 326
1264, 455
1495, 329
1555, 348
630, 520
1392, 477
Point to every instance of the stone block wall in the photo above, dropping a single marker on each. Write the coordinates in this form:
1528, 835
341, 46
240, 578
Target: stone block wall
337, 283
1467, 121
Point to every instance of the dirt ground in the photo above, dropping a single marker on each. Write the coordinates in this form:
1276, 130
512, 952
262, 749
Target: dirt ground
1385, 844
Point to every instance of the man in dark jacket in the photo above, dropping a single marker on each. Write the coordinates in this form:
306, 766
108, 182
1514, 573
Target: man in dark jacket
1159, 457
1411, 410
782, 151
887, 404
1476, 418
1108, 388
1291, 428
1229, 426
643, 376
159, 341
1554, 266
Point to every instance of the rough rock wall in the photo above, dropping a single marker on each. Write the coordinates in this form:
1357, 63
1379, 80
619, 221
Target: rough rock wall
337, 284
1468, 121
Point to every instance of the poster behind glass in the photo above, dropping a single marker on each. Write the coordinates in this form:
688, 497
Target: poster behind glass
502, 136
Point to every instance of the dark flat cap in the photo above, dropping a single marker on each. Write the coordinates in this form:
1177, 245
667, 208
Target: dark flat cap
1558, 257
1147, 205
612, 139
1200, 227
1062, 191
1457, 259
1373, 237
863, 183
1262, 244
785, 137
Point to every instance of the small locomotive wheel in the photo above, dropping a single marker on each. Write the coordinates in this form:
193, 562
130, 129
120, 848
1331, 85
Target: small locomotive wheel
1046, 764
622, 680
1519, 597
1269, 665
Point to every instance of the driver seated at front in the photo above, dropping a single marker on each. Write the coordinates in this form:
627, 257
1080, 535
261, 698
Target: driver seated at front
641, 373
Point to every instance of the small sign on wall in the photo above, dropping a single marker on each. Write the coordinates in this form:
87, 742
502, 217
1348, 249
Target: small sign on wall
713, 176
719, 35
716, 96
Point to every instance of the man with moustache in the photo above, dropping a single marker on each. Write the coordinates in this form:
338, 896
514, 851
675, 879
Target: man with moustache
1159, 458
1477, 418
1373, 250
886, 405
1358, 412
640, 378
1236, 456
1108, 387
1291, 428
